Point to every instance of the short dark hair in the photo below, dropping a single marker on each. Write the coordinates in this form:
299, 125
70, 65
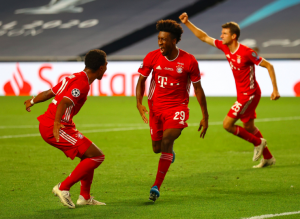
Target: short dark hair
94, 59
234, 28
171, 27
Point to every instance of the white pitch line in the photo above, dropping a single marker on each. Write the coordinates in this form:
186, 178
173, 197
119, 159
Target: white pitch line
139, 124
139, 127
272, 215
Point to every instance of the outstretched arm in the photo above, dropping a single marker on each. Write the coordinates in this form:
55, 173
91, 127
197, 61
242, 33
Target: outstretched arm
41, 97
202, 101
196, 31
275, 94
140, 90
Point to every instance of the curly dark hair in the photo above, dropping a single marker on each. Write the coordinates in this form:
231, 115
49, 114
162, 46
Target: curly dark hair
94, 59
171, 27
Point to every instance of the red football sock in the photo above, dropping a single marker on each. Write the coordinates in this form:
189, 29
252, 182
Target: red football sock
242, 133
266, 152
82, 169
85, 185
163, 166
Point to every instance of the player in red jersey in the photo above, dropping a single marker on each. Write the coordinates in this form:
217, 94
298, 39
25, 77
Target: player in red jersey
172, 72
242, 60
57, 127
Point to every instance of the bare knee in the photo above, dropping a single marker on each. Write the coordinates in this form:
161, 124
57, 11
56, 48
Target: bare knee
156, 146
249, 127
227, 126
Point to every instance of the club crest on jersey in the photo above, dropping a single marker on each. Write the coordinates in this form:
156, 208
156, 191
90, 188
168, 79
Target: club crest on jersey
179, 69
75, 92
80, 136
238, 59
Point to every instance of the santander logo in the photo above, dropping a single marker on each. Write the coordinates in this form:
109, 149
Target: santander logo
17, 86
297, 89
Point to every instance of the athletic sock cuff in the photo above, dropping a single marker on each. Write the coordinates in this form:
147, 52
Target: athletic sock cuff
166, 156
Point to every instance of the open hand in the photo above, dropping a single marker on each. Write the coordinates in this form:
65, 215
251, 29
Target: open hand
56, 128
184, 17
143, 111
204, 125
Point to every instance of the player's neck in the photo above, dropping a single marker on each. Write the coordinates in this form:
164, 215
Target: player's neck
233, 46
91, 75
173, 54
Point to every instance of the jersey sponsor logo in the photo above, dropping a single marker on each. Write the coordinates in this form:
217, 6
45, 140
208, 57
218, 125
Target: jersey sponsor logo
158, 67
162, 81
142, 65
169, 69
75, 92
179, 69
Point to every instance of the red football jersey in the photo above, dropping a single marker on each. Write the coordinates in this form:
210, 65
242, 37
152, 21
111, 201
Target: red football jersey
171, 79
242, 64
76, 88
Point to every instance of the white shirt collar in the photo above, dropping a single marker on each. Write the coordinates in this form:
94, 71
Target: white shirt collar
175, 57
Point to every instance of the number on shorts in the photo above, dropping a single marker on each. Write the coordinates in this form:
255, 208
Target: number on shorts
182, 115
236, 107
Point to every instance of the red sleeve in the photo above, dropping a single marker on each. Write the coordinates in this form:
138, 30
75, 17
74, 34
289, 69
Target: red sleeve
56, 88
219, 44
253, 57
146, 67
194, 70
77, 91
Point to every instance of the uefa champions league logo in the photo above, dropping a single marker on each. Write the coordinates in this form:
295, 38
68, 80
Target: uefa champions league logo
75, 92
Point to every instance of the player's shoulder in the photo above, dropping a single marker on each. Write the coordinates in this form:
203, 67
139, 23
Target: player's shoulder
247, 50
187, 55
80, 79
154, 53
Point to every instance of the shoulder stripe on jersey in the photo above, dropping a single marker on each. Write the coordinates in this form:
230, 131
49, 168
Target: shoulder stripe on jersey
53, 91
70, 99
62, 87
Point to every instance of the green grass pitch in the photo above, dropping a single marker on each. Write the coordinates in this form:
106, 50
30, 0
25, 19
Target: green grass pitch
211, 178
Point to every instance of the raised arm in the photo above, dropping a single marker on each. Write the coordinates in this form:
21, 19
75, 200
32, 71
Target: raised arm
275, 94
202, 101
41, 97
140, 90
196, 31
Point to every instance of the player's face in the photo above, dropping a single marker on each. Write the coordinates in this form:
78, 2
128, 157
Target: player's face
102, 71
226, 36
166, 43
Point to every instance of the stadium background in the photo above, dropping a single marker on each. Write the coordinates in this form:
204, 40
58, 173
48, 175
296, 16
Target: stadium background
52, 38
43, 41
